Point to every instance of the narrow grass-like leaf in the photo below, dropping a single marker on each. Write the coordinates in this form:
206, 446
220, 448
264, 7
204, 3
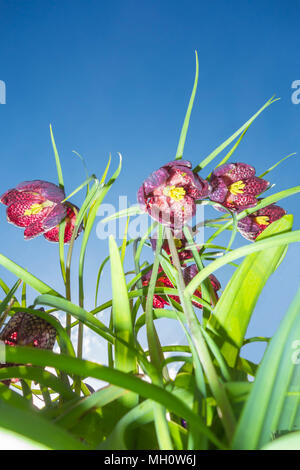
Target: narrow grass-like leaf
131, 211
221, 147
40, 376
122, 321
115, 377
234, 147
9, 296
273, 403
97, 399
274, 241
276, 164
236, 305
77, 312
32, 426
23, 274
80, 187
290, 441
180, 148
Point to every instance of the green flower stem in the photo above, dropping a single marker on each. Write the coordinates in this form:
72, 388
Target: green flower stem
207, 291
156, 355
225, 411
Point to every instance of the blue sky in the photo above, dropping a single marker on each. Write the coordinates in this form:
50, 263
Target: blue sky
116, 77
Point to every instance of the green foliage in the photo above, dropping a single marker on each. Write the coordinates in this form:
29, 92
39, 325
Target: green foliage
210, 402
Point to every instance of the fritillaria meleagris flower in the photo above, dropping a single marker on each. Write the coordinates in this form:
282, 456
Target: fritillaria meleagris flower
159, 300
180, 243
190, 272
235, 186
52, 235
169, 194
25, 329
35, 205
254, 224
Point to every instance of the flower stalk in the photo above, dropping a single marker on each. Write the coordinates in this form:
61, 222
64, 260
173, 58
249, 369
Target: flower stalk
224, 407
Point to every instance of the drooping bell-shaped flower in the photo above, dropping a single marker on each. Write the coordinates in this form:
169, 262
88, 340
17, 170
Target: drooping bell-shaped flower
25, 329
34, 205
159, 300
52, 235
169, 194
181, 245
235, 186
254, 224
190, 272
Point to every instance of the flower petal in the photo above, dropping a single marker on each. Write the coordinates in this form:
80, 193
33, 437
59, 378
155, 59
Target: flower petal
239, 202
232, 172
49, 191
71, 212
272, 211
55, 216
34, 230
157, 178
255, 185
185, 164
16, 212
9, 196
218, 191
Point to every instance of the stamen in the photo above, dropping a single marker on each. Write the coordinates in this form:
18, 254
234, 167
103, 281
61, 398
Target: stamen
37, 208
262, 220
178, 243
176, 193
237, 187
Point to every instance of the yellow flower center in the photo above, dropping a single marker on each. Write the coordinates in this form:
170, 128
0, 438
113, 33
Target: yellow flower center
37, 208
174, 192
178, 243
237, 187
262, 220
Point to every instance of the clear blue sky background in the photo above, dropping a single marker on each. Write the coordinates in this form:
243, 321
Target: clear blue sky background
116, 76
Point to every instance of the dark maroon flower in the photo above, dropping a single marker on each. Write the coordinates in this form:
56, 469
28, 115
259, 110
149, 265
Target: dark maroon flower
254, 224
180, 243
235, 186
169, 194
35, 205
25, 329
190, 272
159, 301
52, 235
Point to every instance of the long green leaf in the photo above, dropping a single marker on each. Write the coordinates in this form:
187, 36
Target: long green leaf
236, 305
77, 312
274, 241
290, 441
30, 279
32, 426
185, 126
122, 321
116, 377
273, 404
221, 147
